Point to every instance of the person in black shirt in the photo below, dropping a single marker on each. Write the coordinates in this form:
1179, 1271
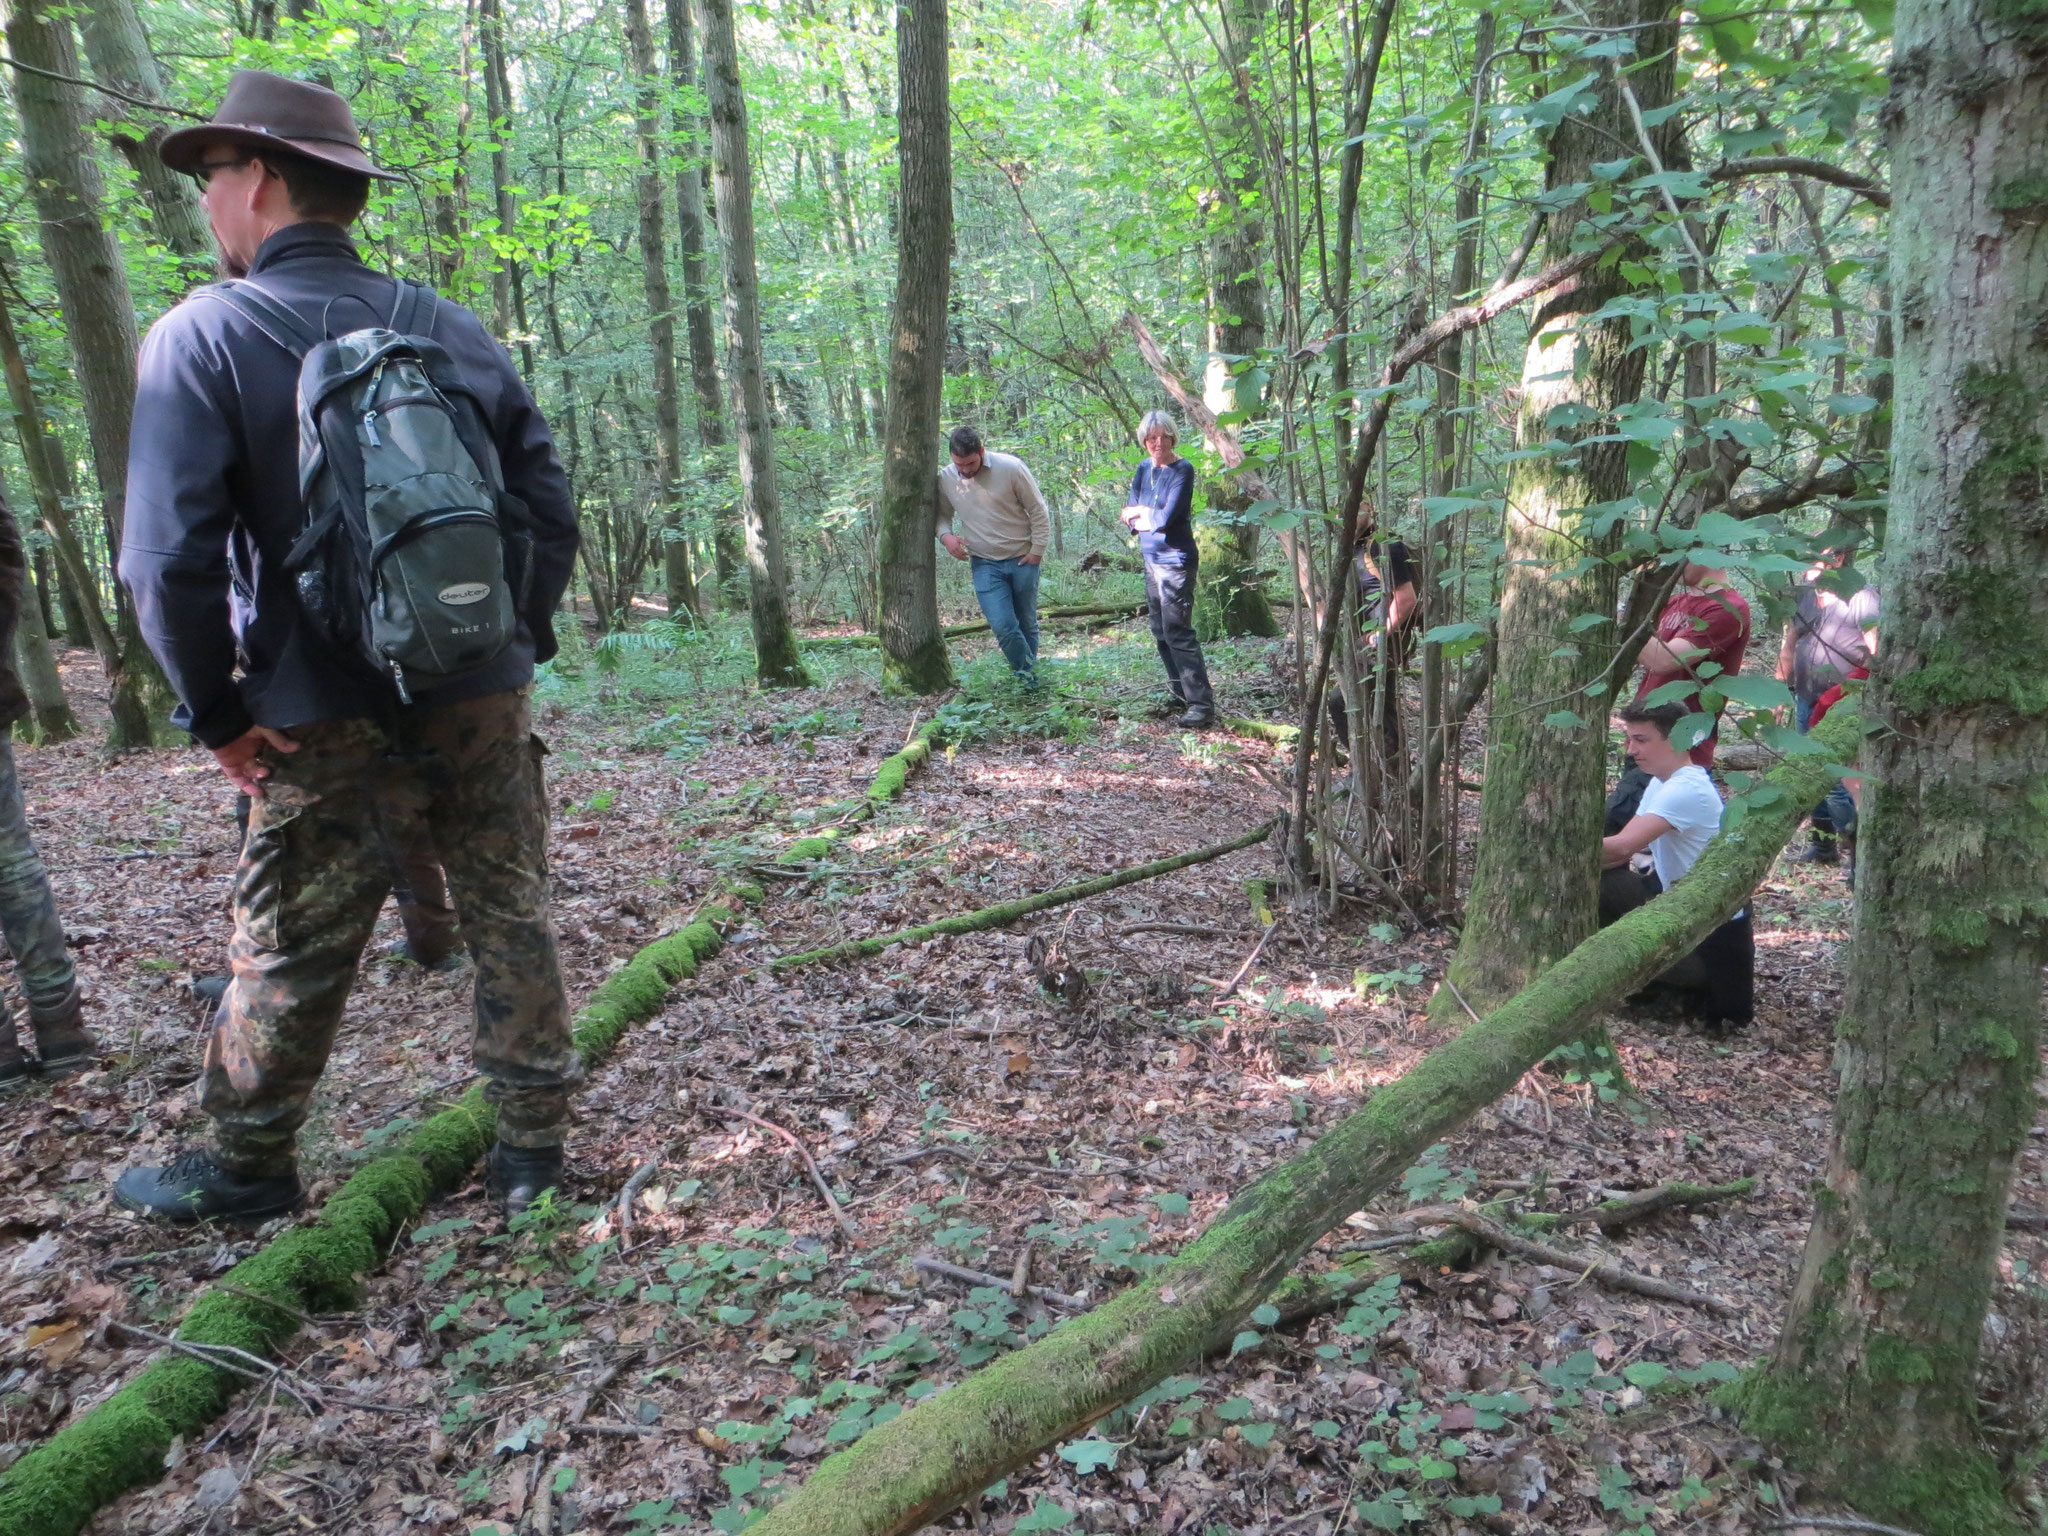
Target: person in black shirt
1387, 599
1160, 512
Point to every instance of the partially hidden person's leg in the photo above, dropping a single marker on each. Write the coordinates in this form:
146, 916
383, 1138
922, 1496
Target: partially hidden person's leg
995, 590
310, 882
1622, 890
488, 811
1727, 973
1155, 613
1625, 797
1024, 599
28, 919
417, 885
1177, 630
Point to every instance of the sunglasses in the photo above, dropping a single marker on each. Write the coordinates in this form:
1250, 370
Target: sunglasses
205, 170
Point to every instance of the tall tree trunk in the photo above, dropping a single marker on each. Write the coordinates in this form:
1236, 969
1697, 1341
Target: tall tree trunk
99, 317
1438, 801
49, 479
118, 47
913, 651
50, 718
1874, 1383
508, 282
680, 585
1361, 79
1536, 867
1237, 334
685, 78
776, 661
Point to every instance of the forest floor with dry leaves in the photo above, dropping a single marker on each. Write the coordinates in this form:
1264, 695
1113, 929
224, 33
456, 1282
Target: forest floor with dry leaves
673, 1365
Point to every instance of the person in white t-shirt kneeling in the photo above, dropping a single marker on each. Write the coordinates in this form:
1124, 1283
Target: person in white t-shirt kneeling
1679, 814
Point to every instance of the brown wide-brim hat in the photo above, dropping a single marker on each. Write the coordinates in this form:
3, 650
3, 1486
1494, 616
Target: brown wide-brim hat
263, 111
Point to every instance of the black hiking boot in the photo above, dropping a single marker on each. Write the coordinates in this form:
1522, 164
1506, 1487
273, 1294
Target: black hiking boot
193, 1187
15, 1067
1196, 719
211, 990
63, 1043
517, 1175
1822, 849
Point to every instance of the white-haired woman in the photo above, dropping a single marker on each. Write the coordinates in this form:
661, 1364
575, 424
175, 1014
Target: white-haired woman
1160, 511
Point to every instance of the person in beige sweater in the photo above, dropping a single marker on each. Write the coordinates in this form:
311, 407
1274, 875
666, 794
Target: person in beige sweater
991, 514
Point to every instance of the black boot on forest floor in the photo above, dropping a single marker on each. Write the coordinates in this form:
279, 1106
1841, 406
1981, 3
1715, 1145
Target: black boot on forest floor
1196, 719
15, 1067
1822, 849
193, 1187
517, 1175
63, 1043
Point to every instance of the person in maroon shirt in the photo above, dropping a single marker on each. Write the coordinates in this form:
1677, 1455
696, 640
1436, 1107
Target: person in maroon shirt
1705, 620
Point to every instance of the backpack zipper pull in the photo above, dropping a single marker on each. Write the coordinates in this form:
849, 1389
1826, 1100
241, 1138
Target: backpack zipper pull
398, 677
370, 428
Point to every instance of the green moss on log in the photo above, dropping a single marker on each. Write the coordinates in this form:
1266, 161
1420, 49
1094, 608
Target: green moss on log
1006, 912
55, 1488
907, 1472
1262, 730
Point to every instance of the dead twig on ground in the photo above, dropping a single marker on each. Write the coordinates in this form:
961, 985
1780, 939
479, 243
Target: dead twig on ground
932, 1266
1839, 1523
633, 1187
1250, 960
1587, 1266
846, 1223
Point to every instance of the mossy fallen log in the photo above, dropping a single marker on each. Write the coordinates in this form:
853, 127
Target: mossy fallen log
55, 1489
959, 1441
1262, 730
1006, 912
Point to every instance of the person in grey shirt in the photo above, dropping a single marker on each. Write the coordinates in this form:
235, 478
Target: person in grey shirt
1827, 641
991, 514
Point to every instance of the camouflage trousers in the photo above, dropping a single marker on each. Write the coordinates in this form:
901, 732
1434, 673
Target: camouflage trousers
28, 912
418, 887
465, 779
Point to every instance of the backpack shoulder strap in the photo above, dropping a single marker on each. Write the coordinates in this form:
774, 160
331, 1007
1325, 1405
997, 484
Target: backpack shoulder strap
272, 318
412, 309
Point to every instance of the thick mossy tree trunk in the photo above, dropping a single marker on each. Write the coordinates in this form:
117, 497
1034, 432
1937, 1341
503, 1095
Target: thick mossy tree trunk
117, 45
99, 316
1536, 867
1873, 1386
776, 662
686, 80
678, 583
953, 1445
1233, 601
914, 653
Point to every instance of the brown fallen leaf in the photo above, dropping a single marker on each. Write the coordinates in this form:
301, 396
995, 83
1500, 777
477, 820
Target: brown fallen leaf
1018, 1063
56, 1342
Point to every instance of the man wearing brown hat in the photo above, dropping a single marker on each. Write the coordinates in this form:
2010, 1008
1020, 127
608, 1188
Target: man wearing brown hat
330, 749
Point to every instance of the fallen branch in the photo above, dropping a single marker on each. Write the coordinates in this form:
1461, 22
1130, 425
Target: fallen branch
933, 1266
1590, 1266
55, 1488
1613, 1215
633, 1187
810, 1166
951, 1446
1839, 1523
1006, 912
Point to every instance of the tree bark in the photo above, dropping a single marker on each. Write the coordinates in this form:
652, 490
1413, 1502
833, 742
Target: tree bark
508, 282
909, 1471
1237, 335
1873, 1383
50, 482
1360, 84
1535, 869
679, 584
99, 317
914, 655
50, 719
118, 46
686, 78
776, 662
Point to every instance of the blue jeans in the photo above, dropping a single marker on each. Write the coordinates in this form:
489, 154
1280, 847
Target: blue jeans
1837, 812
1008, 593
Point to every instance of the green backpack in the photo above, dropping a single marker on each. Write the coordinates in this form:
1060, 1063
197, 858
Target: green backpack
413, 558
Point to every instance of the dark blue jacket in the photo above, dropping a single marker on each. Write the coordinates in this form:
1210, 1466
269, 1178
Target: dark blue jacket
214, 504
1172, 491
